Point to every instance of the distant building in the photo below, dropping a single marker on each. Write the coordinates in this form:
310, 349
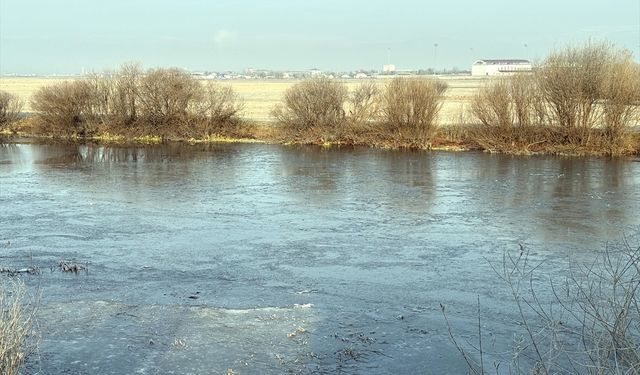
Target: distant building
388, 68
500, 66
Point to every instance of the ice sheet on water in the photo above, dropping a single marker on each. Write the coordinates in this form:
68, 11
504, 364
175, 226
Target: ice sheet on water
112, 338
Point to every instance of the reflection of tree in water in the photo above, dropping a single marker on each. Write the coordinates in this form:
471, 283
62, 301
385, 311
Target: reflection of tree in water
398, 179
587, 196
556, 197
312, 173
60, 154
407, 178
131, 170
9, 156
507, 180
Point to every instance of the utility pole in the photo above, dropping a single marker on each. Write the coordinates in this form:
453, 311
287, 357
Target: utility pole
435, 57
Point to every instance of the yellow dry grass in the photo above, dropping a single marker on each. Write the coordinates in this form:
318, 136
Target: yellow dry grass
15, 327
260, 96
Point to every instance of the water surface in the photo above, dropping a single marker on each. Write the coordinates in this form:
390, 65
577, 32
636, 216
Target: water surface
205, 258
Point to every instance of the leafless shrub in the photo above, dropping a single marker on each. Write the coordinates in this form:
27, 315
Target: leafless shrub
591, 325
363, 104
218, 110
493, 104
101, 96
512, 101
10, 108
571, 82
621, 101
583, 98
166, 97
16, 320
528, 104
74, 267
512, 115
124, 104
409, 108
161, 102
66, 108
313, 107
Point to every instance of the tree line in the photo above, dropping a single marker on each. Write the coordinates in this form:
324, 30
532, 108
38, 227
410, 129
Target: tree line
579, 99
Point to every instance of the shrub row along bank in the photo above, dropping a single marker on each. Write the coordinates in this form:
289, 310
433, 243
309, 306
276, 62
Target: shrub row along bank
161, 102
578, 99
320, 110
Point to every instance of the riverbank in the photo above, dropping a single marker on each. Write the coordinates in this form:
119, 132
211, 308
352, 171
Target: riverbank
419, 113
451, 138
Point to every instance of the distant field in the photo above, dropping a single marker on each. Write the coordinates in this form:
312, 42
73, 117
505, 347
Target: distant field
260, 96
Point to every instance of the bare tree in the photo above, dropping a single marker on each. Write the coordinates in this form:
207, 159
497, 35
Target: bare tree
65, 108
125, 104
166, 97
621, 101
364, 104
571, 81
313, 106
409, 107
493, 104
10, 108
218, 108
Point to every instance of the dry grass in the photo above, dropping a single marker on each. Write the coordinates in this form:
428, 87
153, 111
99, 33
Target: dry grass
260, 96
16, 320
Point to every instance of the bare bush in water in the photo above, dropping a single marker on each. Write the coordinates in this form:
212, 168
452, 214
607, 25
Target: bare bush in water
591, 325
16, 321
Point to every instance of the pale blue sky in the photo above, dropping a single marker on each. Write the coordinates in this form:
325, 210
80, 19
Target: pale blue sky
64, 36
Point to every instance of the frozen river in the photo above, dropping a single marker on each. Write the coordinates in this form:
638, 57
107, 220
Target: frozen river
272, 259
